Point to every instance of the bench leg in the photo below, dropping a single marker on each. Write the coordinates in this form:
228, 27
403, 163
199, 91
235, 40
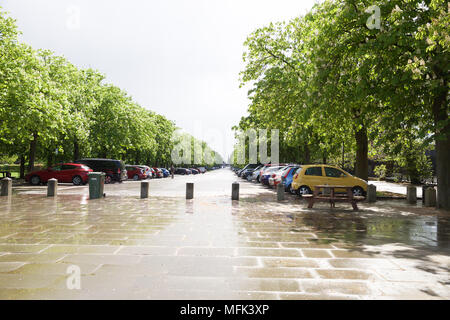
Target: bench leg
310, 203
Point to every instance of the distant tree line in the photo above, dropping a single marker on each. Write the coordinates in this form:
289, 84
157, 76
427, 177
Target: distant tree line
51, 111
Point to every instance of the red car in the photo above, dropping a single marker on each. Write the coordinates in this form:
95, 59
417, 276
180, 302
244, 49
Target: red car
64, 172
136, 173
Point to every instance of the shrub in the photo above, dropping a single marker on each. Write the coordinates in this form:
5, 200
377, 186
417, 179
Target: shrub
380, 171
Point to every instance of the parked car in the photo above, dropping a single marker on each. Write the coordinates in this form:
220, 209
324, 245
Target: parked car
248, 166
64, 172
268, 173
248, 173
165, 172
147, 170
158, 173
182, 171
277, 177
288, 177
194, 171
135, 172
257, 173
262, 172
313, 175
114, 169
201, 169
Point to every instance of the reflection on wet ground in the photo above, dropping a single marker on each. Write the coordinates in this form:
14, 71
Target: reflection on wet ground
166, 247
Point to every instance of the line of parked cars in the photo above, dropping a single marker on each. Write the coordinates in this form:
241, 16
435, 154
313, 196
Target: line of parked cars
186, 171
78, 171
301, 179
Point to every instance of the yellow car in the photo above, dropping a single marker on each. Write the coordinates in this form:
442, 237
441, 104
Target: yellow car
308, 176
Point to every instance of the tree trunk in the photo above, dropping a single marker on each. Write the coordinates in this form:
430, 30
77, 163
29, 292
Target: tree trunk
49, 158
138, 157
22, 167
362, 147
76, 150
32, 157
324, 158
440, 114
306, 154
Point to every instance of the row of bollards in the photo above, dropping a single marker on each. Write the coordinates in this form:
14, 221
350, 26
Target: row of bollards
428, 193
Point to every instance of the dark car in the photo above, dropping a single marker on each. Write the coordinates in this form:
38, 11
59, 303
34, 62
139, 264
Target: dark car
64, 172
182, 171
135, 172
114, 169
249, 166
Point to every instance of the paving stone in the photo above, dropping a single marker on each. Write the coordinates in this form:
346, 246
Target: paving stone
343, 274
310, 253
81, 249
329, 287
32, 257
19, 248
274, 273
10, 266
12, 281
351, 254
269, 252
287, 262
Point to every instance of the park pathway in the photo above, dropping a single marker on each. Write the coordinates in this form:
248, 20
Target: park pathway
166, 247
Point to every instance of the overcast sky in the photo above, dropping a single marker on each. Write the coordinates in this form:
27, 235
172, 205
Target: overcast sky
179, 58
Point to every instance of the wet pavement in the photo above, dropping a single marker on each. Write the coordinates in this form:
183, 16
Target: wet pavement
166, 247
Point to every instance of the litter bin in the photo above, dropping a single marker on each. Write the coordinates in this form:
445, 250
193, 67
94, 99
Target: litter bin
96, 184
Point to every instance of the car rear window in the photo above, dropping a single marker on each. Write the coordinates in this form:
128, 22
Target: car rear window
313, 171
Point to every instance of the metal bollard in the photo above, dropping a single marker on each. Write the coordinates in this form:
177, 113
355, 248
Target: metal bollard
189, 190
371, 193
145, 185
424, 188
52, 187
280, 192
6, 189
235, 191
411, 194
430, 197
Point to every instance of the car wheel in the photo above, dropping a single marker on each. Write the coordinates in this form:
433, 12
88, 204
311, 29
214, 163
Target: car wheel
304, 190
108, 179
35, 180
77, 181
358, 191
135, 177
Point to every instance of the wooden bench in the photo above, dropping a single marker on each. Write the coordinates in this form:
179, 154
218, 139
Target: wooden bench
333, 198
